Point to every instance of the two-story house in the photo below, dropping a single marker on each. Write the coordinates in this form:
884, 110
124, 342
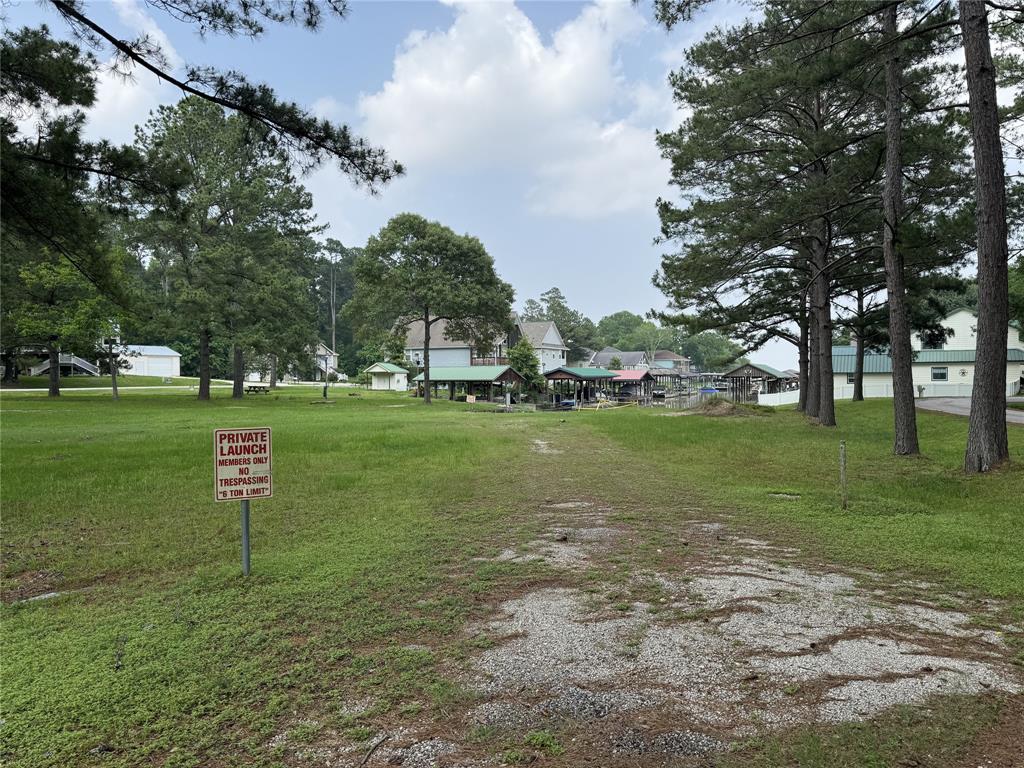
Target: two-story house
543, 336
946, 370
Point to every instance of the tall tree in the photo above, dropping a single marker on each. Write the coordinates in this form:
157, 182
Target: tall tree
774, 163
781, 159
335, 285
987, 442
905, 416
578, 331
426, 273
615, 329
232, 240
46, 192
61, 311
49, 169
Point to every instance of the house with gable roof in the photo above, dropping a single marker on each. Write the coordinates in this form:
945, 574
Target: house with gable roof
543, 336
628, 361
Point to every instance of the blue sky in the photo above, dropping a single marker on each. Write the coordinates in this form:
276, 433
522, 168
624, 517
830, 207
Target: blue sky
530, 125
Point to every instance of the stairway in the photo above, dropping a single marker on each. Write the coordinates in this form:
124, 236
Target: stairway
65, 359
326, 369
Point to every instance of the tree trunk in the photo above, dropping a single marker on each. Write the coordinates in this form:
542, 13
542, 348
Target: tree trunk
237, 372
813, 373
802, 352
112, 362
904, 414
987, 445
204, 364
10, 365
426, 357
858, 370
273, 371
53, 353
823, 316
334, 310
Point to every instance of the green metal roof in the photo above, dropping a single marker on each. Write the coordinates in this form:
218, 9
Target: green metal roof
468, 373
775, 372
389, 367
584, 373
844, 361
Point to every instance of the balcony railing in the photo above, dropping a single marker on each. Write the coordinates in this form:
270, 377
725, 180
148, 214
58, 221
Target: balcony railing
488, 361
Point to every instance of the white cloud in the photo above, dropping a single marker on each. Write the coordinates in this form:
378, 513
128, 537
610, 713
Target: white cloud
122, 103
330, 108
136, 19
614, 170
487, 94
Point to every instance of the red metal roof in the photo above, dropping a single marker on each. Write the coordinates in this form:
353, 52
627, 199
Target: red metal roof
631, 375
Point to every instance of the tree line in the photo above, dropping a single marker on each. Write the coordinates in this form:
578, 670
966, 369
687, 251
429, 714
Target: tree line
198, 232
836, 160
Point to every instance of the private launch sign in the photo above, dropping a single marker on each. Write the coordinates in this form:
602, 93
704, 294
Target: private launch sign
241, 461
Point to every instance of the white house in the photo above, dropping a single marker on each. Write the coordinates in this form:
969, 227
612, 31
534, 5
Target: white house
147, 360
388, 376
547, 343
325, 362
945, 371
543, 336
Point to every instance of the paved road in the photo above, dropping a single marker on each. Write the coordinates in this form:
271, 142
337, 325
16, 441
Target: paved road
961, 406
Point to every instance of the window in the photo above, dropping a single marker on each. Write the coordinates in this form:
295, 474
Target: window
851, 378
940, 373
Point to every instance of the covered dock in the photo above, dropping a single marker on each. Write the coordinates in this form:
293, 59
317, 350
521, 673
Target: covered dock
632, 385
474, 380
750, 379
579, 384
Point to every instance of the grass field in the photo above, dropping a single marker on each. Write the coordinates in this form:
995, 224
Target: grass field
921, 514
158, 652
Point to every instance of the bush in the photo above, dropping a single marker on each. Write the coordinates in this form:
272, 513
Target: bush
524, 361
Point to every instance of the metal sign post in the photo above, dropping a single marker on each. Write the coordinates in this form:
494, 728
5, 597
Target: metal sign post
842, 472
245, 537
242, 471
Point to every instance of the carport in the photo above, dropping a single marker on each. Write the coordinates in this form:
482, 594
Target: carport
633, 385
476, 380
579, 384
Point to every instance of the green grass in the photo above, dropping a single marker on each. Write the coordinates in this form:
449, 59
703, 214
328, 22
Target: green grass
1016, 406
76, 382
167, 654
921, 514
159, 652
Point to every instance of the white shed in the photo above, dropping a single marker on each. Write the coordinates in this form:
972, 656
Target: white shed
146, 360
388, 376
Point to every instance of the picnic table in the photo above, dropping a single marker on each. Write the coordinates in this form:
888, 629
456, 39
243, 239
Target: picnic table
257, 388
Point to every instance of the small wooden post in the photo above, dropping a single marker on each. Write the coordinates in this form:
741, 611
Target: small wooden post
842, 472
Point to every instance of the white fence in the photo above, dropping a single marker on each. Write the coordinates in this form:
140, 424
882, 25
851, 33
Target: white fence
933, 389
845, 392
781, 398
